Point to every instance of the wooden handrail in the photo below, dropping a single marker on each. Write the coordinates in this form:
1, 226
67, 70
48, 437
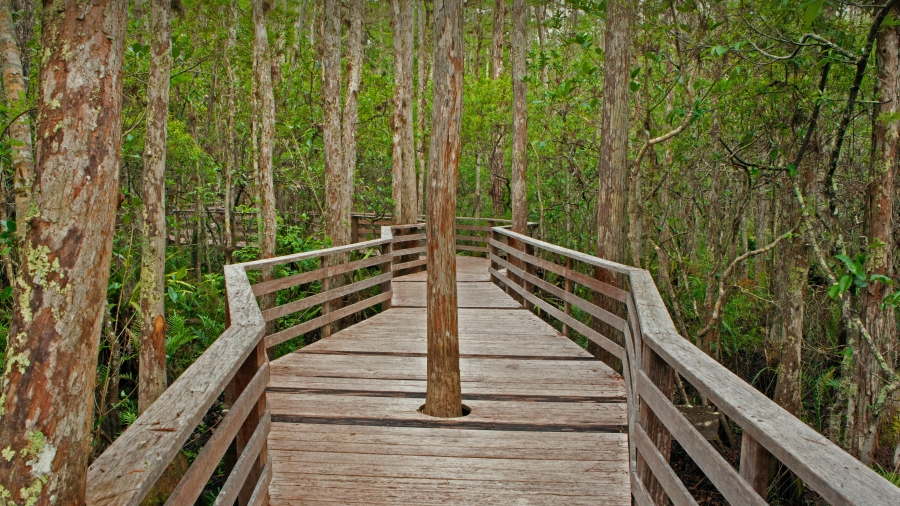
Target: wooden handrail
126, 472
653, 353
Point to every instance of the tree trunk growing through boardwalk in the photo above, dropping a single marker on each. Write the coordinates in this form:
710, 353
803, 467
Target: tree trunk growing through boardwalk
152, 370
266, 100
880, 323
351, 100
404, 168
496, 162
47, 396
337, 216
613, 174
443, 396
520, 119
13, 74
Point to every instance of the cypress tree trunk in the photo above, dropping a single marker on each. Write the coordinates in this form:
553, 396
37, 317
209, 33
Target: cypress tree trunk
230, 154
47, 396
496, 162
443, 397
404, 168
520, 119
880, 323
613, 173
351, 101
266, 100
337, 216
152, 373
422, 102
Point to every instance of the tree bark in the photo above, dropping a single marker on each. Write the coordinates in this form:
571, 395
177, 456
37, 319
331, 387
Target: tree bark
351, 100
230, 153
520, 119
613, 173
497, 40
404, 168
337, 217
21, 147
422, 103
880, 323
47, 396
152, 371
266, 100
443, 396
496, 162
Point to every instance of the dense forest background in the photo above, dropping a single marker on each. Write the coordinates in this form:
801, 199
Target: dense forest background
763, 144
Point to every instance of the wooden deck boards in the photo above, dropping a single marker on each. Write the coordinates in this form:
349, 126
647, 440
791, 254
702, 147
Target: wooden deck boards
547, 423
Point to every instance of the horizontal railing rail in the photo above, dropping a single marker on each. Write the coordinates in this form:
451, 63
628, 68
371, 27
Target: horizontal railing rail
235, 364
652, 352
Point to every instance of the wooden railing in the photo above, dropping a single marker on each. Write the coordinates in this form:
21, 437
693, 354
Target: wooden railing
472, 234
316, 290
333, 282
546, 277
235, 364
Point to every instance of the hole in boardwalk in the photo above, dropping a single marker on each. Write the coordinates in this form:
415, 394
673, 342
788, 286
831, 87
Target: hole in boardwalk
465, 410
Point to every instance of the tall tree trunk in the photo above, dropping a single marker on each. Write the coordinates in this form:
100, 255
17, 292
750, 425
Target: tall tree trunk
498, 39
266, 104
520, 119
19, 130
47, 396
790, 283
496, 162
404, 169
613, 173
24, 31
422, 86
880, 323
351, 100
337, 217
230, 152
443, 397
152, 371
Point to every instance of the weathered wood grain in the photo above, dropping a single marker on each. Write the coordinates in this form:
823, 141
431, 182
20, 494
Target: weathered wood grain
670, 482
319, 298
234, 483
325, 272
714, 466
833, 473
296, 330
193, 481
547, 422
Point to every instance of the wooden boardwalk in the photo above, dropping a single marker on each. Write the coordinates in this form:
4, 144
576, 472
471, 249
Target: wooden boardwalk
548, 421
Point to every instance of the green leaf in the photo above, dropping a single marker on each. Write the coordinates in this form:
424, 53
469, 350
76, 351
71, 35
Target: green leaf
173, 295
813, 9
881, 279
6, 293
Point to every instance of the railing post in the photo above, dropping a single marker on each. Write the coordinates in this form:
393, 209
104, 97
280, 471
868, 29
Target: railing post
386, 267
493, 250
567, 306
755, 465
660, 374
354, 228
247, 371
326, 306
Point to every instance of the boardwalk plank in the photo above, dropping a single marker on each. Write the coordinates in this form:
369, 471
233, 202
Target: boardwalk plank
346, 429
